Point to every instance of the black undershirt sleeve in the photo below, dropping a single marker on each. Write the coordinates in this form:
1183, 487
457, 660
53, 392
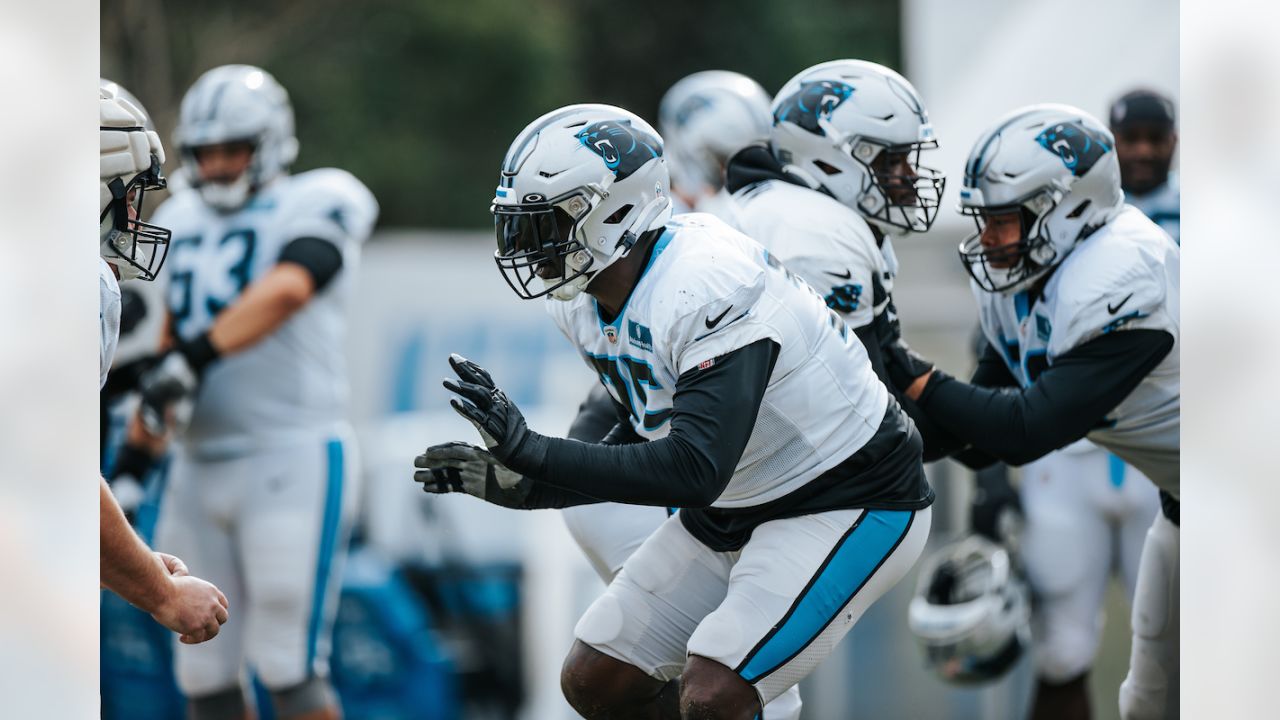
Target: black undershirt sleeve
713, 413
599, 419
320, 258
1068, 399
991, 372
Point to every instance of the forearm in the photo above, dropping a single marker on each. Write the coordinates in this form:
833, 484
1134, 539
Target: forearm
128, 567
714, 411
1065, 402
670, 472
544, 496
263, 307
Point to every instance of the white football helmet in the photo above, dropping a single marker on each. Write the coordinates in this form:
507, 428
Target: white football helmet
705, 118
236, 103
129, 163
856, 130
578, 187
1056, 166
971, 612
114, 88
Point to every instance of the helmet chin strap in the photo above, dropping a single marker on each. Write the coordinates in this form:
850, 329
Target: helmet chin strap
803, 175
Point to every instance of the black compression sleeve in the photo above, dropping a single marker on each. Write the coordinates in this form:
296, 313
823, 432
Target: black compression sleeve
990, 372
713, 413
597, 422
320, 258
1070, 398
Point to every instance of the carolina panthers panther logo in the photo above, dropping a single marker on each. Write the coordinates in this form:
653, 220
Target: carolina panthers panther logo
623, 148
1078, 146
814, 100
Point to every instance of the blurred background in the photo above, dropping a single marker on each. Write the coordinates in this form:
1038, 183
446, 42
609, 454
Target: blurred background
455, 609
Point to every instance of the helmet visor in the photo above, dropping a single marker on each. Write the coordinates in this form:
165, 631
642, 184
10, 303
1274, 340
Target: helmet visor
534, 242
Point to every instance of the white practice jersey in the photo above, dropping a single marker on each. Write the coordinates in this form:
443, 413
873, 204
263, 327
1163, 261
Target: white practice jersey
1163, 205
709, 290
1122, 277
108, 318
823, 241
294, 381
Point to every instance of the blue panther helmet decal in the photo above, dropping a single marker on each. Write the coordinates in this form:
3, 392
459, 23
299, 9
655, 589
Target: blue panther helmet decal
623, 148
813, 101
1078, 146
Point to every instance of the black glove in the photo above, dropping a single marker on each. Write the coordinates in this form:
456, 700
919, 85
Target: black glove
996, 512
499, 421
903, 364
168, 387
459, 467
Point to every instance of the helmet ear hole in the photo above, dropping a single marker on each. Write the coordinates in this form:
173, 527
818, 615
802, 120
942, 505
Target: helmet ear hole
1080, 209
828, 169
617, 216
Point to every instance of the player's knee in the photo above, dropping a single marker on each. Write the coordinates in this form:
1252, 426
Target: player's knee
225, 704
309, 697
711, 691
1138, 702
595, 684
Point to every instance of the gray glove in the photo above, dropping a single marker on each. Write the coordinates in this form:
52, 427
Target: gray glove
460, 467
168, 390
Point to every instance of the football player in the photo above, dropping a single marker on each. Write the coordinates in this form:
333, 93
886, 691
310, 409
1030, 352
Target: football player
1146, 136
705, 118
261, 488
743, 401
839, 179
129, 160
1078, 298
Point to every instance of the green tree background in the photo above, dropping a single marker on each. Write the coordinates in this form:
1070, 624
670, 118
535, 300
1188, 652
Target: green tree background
420, 99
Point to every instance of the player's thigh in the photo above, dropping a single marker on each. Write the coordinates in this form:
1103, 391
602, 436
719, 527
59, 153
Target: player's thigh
1066, 539
192, 525
1067, 552
609, 533
1142, 505
800, 585
646, 615
293, 534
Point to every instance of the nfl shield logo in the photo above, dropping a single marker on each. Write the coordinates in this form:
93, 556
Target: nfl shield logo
611, 333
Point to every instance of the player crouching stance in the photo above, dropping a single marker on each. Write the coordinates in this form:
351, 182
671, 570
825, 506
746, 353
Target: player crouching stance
741, 399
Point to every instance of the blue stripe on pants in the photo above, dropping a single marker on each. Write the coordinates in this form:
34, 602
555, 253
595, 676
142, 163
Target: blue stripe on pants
328, 541
1116, 467
850, 565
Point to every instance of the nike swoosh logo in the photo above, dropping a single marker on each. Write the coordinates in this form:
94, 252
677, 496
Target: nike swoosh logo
847, 275
712, 323
1116, 309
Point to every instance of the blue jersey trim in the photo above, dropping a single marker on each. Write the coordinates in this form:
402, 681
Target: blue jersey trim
658, 247
328, 545
855, 559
